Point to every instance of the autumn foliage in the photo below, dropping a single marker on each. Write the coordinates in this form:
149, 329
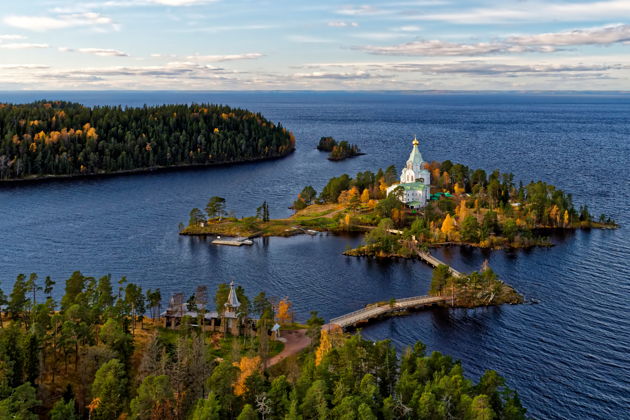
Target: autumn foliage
247, 366
284, 315
63, 138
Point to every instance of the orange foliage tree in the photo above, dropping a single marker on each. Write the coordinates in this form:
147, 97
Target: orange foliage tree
365, 196
446, 179
346, 196
329, 337
461, 211
284, 315
247, 366
448, 225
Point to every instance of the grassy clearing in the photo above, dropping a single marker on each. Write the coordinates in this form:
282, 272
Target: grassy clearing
319, 217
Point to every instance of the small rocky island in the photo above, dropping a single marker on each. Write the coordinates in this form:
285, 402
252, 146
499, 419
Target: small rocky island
338, 150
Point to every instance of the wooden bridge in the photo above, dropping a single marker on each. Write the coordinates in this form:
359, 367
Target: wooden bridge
434, 262
375, 311
431, 260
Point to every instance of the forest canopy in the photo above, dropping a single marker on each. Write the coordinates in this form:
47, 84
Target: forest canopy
66, 139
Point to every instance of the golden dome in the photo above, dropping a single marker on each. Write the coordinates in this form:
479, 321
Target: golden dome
415, 141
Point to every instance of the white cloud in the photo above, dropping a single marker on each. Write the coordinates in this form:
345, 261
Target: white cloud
179, 2
603, 35
24, 67
444, 48
11, 37
158, 55
102, 52
359, 10
90, 5
22, 46
228, 57
379, 36
334, 75
536, 11
489, 69
470, 67
542, 43
309, 39
409, 28
342, 24
62, 21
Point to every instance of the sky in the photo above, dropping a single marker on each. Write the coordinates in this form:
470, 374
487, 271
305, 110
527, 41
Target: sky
315, 45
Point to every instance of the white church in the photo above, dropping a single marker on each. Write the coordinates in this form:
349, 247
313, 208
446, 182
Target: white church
415, 180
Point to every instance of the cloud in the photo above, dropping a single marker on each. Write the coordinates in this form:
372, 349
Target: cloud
603, 35
62, 21
228, 57
178, 2
379, 36
536, 11
492, 69
359, 10
225, 28
158, 55
90, 5
444, 48
11, 37
542, 43
342, 24
334, 75
409, 28
309, 39
175, 75
468, 67
102, 52
22, 46
24, 67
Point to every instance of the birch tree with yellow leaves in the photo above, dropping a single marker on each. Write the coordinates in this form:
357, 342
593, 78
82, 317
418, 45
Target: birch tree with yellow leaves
448, 226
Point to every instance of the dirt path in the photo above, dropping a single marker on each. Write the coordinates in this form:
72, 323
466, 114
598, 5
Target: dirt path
297, 340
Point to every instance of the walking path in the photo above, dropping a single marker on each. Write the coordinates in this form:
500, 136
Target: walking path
296, 341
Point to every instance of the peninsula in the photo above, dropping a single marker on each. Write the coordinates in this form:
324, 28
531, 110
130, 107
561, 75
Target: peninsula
95, 354
429, 205
63, 140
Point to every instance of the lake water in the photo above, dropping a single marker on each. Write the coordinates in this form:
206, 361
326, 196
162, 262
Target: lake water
568, 356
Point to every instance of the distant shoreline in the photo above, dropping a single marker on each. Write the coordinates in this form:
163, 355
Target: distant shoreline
128, 172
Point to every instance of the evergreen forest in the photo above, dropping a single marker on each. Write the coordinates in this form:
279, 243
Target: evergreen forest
44, 139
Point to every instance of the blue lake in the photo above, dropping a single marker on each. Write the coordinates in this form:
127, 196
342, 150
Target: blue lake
567, 356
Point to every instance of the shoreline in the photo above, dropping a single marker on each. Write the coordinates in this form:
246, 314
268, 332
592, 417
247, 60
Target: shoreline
294, 229
129, 172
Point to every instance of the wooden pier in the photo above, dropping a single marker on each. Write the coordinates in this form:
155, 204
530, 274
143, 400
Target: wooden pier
375, 311
233, 242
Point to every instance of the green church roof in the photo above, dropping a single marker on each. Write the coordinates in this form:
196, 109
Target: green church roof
413, 186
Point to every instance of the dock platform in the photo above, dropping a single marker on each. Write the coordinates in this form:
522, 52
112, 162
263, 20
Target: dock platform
233, 242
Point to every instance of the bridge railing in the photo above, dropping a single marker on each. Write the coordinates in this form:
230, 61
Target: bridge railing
418, 298
384, 307
350, 314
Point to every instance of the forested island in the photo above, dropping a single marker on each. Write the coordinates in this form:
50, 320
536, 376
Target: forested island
468, 207
96, 355
62, 139
338, 150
